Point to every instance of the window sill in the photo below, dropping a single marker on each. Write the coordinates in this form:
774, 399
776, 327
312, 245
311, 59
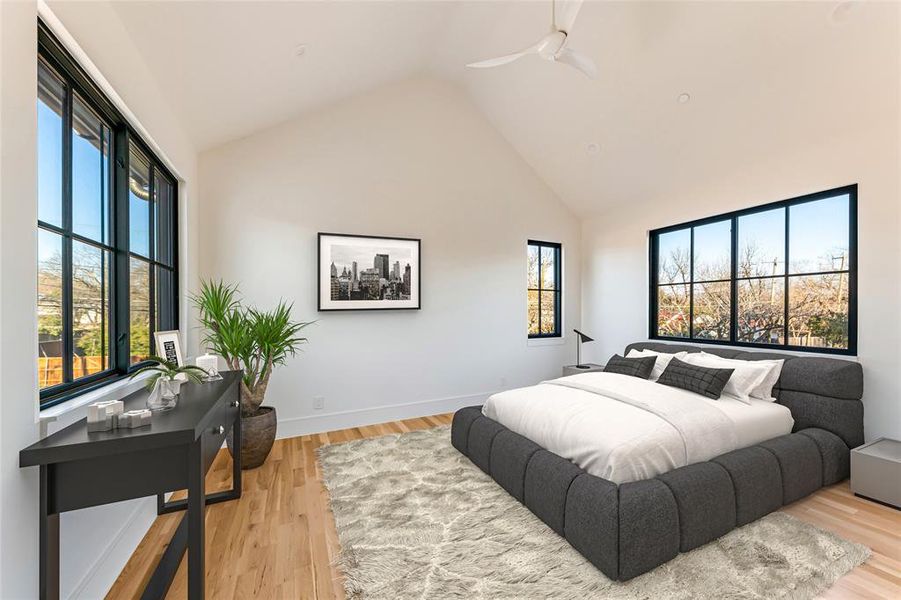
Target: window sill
800, 351
115, 390
548, 341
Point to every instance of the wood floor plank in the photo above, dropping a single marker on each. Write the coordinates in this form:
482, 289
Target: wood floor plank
279, 540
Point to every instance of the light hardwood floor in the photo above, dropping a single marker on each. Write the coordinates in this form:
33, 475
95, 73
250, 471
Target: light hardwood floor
278, 540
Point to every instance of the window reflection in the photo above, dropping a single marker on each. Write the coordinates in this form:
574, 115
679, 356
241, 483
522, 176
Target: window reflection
139, 305
50, 309
90, 309
90, 173
51, 96
138, 203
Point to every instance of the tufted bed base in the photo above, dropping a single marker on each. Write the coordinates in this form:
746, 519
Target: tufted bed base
628, 529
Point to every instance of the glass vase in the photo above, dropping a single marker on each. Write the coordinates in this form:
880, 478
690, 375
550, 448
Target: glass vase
164, 395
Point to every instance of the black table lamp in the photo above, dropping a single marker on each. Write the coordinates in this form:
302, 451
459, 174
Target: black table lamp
582, 339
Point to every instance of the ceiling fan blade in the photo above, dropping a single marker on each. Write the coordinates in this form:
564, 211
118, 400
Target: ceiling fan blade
503, 60
496, 62
577, 61
565, 13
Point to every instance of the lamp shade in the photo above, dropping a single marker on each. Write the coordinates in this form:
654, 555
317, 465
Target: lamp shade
582, 337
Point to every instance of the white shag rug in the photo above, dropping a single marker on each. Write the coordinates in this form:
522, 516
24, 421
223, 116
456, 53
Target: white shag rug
416, 519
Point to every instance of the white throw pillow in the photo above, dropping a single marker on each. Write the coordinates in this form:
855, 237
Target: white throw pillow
746, 376
663, 359
765, 390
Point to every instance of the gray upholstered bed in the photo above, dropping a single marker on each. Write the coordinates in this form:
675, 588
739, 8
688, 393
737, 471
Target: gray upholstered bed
628, 529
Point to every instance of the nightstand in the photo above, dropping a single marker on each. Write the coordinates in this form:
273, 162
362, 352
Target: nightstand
876, 471
573, 370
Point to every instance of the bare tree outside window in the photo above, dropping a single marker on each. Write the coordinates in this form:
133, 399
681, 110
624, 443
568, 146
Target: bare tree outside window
694, 292
543, 289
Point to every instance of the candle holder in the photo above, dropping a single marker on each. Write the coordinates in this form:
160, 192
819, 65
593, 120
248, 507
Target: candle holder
209, 363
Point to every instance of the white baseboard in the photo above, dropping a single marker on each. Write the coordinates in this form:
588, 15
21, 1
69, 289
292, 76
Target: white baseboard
296, 426
97, 581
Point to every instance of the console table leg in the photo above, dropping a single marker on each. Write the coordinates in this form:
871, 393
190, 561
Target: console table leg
237, 440
49, 541
196, 510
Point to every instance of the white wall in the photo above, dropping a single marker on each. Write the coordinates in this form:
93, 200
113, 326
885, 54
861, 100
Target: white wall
96, 543
615, 252
18, 273
413, 159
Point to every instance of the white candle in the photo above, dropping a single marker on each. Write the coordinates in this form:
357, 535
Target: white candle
209, 363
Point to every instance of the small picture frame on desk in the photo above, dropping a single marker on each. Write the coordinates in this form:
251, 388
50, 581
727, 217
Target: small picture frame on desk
168, 347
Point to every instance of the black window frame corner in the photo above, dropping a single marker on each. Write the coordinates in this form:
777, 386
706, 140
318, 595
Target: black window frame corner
850, 190
557, 291
122, 135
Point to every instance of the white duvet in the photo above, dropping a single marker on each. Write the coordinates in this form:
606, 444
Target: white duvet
623, 428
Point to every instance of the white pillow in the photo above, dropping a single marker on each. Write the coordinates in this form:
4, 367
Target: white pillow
746, 376
765, 390
663, 359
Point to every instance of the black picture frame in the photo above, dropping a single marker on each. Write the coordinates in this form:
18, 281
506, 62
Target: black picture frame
323, 275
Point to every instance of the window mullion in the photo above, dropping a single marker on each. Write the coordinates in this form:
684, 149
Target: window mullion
654, 294
558, 294
151, 251
691, 285
121, 284
172, 233
733, 284
540, 283
67, 341
852, 272
786, 291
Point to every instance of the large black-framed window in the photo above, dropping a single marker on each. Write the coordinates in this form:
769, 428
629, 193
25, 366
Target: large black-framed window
782, 275
107, 241
545, 289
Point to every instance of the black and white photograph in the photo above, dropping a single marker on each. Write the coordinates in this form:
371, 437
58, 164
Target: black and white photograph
360, 272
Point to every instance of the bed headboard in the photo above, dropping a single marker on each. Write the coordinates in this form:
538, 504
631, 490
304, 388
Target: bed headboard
820, 392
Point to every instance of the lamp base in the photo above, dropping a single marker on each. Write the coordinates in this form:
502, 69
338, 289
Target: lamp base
582, 367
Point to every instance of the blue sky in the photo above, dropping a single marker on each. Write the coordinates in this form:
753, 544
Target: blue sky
818, 234
90, 169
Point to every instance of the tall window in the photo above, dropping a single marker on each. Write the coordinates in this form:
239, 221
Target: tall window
106, 235
781, 275
544, 289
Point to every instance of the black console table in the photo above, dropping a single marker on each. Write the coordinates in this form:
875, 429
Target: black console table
79, 469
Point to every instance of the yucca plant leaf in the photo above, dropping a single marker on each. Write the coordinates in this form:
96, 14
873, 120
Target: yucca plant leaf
247, 338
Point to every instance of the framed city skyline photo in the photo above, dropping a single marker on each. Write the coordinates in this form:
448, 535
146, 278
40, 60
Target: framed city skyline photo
366, 272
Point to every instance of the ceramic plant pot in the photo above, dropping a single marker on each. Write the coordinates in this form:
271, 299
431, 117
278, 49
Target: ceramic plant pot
257, 437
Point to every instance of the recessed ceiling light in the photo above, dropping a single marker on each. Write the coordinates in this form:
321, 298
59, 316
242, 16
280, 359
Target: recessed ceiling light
684, 98
300, 50
593, 148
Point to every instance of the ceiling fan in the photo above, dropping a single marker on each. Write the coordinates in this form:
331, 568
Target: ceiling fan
553, 46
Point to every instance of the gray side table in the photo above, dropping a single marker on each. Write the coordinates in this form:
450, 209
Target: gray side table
573, 370
876, 471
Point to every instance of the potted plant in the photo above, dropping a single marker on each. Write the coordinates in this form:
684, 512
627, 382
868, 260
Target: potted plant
253, 340
165, 383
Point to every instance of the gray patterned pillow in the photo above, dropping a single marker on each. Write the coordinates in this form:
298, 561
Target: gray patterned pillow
701, 380
636, 367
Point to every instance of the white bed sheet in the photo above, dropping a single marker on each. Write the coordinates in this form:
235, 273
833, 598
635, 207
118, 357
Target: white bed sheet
760, 421
622, 442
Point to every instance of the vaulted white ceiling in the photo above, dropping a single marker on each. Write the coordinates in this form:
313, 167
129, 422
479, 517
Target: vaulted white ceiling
761, 76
